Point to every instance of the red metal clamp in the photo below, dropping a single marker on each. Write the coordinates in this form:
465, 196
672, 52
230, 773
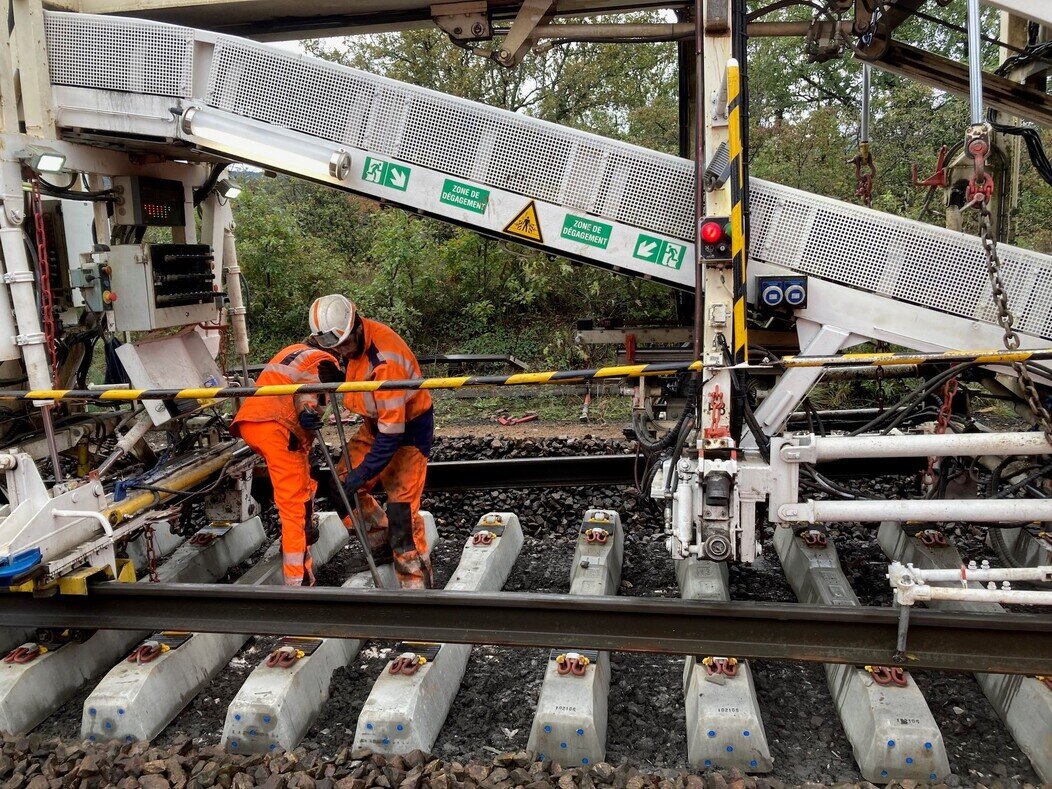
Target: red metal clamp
599, 536
727, 666
407, 664
203, 539
888, 675
981, 185
940, 178
529, 416
148, 652
815, 539
932, 538
284, 657
25, 653
483, 538
572, 663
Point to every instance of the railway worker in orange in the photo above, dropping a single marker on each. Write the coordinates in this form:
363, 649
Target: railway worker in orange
392, 445
280, 430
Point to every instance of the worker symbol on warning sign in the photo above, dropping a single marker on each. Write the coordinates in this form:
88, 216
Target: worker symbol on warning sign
526, 224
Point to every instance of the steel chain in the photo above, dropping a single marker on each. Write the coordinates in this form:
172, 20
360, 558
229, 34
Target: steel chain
151, 555
47, 306
1006, 318
949, 391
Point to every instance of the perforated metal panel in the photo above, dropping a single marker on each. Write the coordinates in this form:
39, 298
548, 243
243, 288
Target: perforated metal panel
840, 242
909, 261
120, 54
454, 136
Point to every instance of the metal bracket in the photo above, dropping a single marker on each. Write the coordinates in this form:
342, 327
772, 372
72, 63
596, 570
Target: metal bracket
463, 21
517, 42
18, 276
35, 338
13, 210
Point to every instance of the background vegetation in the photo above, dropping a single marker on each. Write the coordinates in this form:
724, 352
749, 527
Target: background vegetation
446, 289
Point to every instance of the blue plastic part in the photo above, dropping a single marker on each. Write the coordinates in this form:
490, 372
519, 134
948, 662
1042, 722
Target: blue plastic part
369, 726
891, 743
251, 732
547, 729
730, 749
580, 732
540, 757
233, 743
883, 773
909, 760
92, 712
708, 762
266, 719
584, 760
237, 717
19, 564
386, 741
400, 727
120, 710
754, 763
91, 738
745, 733
273, 746
712, 733
927, 746
108, 725
562, 745
933, 776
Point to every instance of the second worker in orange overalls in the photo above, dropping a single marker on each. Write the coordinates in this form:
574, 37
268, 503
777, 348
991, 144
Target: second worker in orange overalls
391, 447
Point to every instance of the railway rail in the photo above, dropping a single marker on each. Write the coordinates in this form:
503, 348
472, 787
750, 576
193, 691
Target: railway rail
1006, 643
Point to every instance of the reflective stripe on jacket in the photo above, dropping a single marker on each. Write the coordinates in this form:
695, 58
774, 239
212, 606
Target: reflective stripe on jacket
297, 364
386, 358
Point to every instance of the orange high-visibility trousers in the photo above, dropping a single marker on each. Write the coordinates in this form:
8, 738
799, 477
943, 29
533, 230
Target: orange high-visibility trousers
289, 471
400, 526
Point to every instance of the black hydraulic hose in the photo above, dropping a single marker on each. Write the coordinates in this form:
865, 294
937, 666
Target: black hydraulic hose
666, 440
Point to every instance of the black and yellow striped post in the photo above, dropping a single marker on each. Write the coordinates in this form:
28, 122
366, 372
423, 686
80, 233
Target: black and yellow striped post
550, 377
735, 138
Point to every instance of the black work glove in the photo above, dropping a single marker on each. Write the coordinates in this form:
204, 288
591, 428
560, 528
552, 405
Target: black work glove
312, 531
351, 484
310, 419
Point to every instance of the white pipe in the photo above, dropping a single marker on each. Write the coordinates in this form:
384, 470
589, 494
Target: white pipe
922, 445
932, 511
982, 574
20, 284
684, 509
924, 593
233, 286
270, 146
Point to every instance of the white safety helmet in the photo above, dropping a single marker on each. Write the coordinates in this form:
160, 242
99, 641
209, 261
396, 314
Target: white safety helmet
331, 319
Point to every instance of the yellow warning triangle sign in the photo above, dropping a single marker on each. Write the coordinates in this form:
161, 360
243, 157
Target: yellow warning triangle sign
526, 224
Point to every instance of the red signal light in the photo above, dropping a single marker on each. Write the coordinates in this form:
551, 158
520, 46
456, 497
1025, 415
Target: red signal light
711, 232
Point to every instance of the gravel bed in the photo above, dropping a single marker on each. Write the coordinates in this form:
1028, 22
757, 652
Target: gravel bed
492, 712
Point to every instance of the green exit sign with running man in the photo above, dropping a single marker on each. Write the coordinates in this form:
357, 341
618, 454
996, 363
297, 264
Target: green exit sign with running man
659, 252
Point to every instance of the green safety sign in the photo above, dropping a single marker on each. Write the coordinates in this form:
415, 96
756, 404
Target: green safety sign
658, 251
389, 174
586, 231
466, 196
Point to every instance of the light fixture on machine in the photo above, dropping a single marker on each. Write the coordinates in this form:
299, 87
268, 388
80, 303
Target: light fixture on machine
43, 160
266, 145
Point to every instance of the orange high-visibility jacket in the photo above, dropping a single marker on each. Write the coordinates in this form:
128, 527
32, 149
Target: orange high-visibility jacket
297, 364
397, 418
386, 358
